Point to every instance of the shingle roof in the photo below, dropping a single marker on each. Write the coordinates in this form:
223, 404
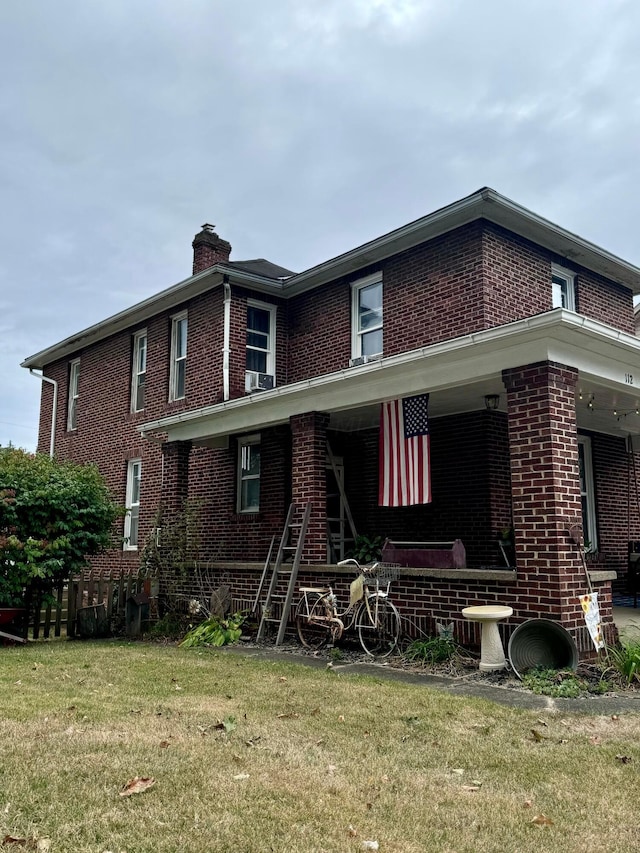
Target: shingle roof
260, 266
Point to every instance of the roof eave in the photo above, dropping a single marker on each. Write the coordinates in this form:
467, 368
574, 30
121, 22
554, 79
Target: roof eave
484, 204
138, 314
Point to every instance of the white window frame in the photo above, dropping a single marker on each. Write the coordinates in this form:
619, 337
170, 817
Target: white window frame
589, 523
72, 403
177, 359
243, 444
249, 375
563, 288
132, 503
356, 332
138, 372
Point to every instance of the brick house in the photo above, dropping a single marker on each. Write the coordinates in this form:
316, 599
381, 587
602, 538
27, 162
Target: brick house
227, 387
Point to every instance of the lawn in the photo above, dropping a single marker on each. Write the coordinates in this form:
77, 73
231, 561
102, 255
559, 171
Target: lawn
252, 756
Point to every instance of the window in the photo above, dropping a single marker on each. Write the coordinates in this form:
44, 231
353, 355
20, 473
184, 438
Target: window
134, 472
260, 358
587, 494
72, 411
178, 357
563, 288
366, 317
249, 474
139, 370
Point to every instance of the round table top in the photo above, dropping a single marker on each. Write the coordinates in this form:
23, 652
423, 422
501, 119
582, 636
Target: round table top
487, 612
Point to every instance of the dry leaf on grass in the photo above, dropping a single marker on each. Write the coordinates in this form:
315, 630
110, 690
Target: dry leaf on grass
542, 820
164, 744
537, 736
470, 787
240, 777
290, 716
595, 740
624, 759
137, 785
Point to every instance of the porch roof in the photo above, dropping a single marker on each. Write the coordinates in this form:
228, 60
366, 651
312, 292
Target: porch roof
458, 373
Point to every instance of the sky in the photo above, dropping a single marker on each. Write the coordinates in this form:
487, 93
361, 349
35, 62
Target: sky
300, 128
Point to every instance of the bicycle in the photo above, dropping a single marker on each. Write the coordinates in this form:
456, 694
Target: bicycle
371, 613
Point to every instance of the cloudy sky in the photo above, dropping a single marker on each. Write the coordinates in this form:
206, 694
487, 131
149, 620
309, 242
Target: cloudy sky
301, 128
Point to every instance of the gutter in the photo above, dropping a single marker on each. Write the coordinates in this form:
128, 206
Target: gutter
226, 337
54, 408
540, 324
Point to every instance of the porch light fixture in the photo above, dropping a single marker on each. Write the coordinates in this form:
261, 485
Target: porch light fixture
491, 402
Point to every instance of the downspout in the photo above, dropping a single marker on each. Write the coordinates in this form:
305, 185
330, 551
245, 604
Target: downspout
54, 410
226, 338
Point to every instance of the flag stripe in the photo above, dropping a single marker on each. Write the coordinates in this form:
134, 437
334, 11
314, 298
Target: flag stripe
404, 447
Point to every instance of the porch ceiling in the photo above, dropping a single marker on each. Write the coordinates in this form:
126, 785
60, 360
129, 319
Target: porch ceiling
458, 373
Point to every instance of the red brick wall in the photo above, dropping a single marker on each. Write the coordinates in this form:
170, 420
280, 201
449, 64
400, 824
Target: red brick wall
545, 484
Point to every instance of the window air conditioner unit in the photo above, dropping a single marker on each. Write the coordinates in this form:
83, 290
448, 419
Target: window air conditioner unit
356, 362
260, 382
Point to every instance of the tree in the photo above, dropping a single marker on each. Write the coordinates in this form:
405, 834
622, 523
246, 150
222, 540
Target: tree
53, 515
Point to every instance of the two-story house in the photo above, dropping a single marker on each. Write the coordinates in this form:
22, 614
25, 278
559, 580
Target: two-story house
233, 386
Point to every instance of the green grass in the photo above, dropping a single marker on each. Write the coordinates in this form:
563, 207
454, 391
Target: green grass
252, 756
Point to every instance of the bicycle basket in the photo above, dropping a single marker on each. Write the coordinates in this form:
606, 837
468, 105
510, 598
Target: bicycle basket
384, 572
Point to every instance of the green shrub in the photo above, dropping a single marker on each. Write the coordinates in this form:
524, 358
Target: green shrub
431, 651
53, 515
625, 659
215, 632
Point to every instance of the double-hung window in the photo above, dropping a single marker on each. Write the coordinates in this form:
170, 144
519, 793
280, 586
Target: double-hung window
72, 406
260, 347
563, 288
366, 317
178, 371
132, 517
587, 493
139, 370
249, 474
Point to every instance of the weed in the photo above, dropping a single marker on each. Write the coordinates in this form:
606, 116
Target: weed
563, 684
335, 654
215, 632
431, 651
625, 659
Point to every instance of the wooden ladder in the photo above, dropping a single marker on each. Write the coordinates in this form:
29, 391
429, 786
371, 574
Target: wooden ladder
291, 545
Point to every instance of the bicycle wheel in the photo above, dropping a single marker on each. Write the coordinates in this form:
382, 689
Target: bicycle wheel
314, 635
378, 626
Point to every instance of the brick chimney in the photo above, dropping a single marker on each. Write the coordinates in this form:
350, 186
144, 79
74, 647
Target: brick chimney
209, 249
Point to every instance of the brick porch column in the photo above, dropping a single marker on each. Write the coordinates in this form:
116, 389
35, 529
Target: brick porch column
545, 491
175, 477
309, 478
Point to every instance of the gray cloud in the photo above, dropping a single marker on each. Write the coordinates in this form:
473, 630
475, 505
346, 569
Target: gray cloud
300, 129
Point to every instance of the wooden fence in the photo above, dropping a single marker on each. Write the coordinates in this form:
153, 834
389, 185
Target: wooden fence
103, 599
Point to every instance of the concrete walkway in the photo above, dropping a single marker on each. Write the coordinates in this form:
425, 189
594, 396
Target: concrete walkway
476, 688
627, 621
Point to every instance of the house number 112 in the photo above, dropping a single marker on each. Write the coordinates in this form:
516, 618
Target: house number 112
628, 378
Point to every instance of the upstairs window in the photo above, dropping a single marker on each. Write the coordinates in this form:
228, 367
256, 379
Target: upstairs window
177, 375
260, 347
72, 406
249, 474
139, 371
563, 288
366, 317
131, 519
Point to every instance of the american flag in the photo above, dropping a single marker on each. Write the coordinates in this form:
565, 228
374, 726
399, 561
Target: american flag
404, 468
